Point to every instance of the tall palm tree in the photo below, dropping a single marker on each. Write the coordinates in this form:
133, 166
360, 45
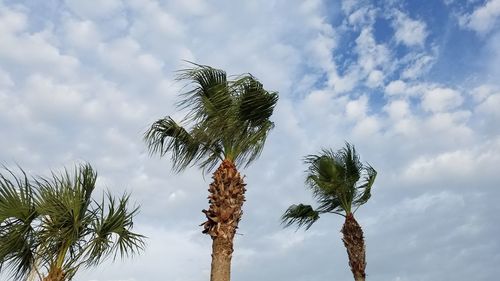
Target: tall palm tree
340, 184
227, 123
50, 227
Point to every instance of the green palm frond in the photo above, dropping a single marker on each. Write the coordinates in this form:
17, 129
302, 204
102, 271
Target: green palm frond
64, 207
300, 215
348, 157
255, 104
339, 183
166, 135
17, 212
249, 146
227, 119
112, 233
209, 96
333, 177
366, 186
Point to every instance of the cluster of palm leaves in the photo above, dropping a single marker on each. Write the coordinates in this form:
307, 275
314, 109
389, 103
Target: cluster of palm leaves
50, 227
226, 119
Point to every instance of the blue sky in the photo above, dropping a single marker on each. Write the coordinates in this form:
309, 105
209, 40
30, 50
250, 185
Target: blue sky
413, 84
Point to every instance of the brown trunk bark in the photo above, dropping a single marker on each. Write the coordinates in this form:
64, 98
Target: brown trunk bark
227, 194
55, 274
355, 245
222, 251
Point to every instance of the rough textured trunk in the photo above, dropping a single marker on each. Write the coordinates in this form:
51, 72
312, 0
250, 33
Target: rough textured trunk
355, 245
55, 274
227, 194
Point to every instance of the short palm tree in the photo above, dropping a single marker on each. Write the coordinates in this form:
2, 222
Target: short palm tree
50, 227
227, 125
340, 183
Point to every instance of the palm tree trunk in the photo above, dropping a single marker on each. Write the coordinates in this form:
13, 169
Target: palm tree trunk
55, 274
355, 245
227, 194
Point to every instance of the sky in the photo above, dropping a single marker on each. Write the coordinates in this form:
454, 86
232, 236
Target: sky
412, 84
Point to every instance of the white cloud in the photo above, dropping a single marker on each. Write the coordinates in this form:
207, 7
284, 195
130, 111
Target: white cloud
366, 128
356, 109
484, 18
52, 98
409, 31
396, 87
371, 55
375, 79
362, 16
482, 92
456, 166
82, 34
417, 65
441, 99
397, 109
490, 106
345, 83
5, 79
98, 10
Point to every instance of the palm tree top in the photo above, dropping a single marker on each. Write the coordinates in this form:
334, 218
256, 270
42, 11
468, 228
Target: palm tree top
226, 119
53, 222
340, 183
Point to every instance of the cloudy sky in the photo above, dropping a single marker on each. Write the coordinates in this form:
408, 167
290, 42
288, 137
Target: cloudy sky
414, 85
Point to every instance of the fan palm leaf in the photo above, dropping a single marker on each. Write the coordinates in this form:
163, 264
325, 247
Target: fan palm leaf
52, 225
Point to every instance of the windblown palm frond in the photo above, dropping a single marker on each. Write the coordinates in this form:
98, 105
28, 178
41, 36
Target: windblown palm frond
227, 119
209, 96
340, 183
301, 215
111, 232
366, 186
17, 212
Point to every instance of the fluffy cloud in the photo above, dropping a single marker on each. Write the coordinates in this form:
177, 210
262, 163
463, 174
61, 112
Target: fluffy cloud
484, 18
409, 31
441, 99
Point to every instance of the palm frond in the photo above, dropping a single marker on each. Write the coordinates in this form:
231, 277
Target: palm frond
333, 178
248, 145
353, 166
226, 119
255, 104
165, 135
111, 234
300, 215
325, 178
17, 245
209, 96
17, 213
366, 186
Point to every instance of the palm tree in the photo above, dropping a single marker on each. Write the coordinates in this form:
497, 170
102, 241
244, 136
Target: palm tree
227, 124
50, 227
340, 184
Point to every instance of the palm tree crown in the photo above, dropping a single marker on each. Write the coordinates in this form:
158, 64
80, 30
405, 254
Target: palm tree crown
52, 226
339, 182
227, 119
